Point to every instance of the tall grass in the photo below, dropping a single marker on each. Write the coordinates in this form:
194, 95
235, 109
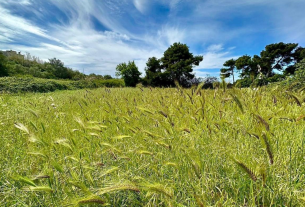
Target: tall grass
152, 147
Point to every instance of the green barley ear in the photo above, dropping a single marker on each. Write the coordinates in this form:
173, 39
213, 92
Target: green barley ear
263, 174
33, 112
57, 167
296, 99
93, 199
199, 87
144, 110
158, 188
22, 128
238, 102
109, 171
119, 187
80, 122
252, 174
262, 121
64, 143
198, 201
39, 189
268, 147
81, 186
163, 113
301, 89
24, 180
38, 154
178, 85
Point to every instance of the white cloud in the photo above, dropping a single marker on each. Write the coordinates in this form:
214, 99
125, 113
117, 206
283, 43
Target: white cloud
80, 45
215, 48
215, 56
141, 5
16, 25
171, 34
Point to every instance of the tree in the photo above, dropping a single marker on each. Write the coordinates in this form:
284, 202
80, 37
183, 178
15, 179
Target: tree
3, 69
60, 70
129, 72
107, 77
299, 75
177, 63
247, 65
153, 72
209, 81
281, 56
227, 72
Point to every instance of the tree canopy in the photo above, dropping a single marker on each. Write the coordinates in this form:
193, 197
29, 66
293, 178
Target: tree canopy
229, 70
176, 65
274, 59
129, 73
3, 69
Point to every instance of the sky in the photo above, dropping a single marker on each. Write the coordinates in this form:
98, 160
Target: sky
95, 36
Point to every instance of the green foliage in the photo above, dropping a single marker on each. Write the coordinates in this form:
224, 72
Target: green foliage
247, 65
297, 81
280, 56
153, 73
178, 62
3, 69
244, 83
176, 65
229, 70
107, 77
19, 66
129, 73
30, 84
263, 69
300, 72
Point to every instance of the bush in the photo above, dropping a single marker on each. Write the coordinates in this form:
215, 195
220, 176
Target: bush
243, 83
30, 84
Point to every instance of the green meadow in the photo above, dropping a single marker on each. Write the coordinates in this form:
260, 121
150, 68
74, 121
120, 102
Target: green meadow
153, 147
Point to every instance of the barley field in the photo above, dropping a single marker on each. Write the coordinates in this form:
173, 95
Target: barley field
153, 147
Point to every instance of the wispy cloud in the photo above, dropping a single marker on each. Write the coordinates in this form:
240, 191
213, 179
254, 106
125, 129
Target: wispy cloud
97, 35
214, 57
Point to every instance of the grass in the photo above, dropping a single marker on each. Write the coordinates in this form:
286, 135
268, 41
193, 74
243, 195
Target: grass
152, 147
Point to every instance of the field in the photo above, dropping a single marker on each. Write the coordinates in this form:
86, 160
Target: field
153, 147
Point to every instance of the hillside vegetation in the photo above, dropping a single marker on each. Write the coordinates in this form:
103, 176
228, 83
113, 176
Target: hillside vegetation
153, 147
30, 84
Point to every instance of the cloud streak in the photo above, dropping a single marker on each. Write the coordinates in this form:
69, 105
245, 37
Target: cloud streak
97, 35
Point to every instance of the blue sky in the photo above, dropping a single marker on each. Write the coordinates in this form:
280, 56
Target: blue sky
96, 35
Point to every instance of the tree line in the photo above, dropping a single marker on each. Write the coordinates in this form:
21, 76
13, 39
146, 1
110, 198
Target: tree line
31, 66
275, 63
176, 65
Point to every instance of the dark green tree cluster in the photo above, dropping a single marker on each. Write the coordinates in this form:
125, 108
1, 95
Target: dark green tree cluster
129, 73
273, 64
33, 67
176, 65
3, 69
